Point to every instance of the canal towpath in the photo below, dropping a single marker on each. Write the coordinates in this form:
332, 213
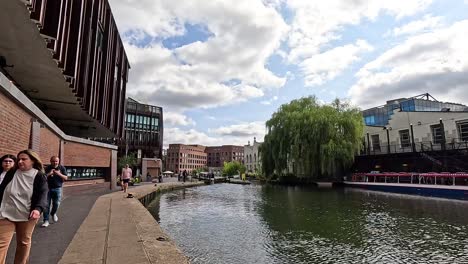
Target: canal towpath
80, 211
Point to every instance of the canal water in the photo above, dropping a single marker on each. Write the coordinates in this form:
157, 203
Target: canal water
228, 223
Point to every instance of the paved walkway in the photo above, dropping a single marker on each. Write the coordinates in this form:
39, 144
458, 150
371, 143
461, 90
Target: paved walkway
121, 230
49, 243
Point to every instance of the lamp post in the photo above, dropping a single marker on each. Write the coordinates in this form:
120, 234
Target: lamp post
442, 133
413, 146
368, 144
388, 140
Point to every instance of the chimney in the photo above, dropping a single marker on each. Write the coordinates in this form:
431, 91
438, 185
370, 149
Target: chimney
255, 140
248, 144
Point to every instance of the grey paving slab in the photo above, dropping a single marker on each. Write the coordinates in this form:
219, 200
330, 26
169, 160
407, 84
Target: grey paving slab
123, 231
49, 244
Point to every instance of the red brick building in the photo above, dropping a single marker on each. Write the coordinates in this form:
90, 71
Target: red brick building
182, 157
217, 155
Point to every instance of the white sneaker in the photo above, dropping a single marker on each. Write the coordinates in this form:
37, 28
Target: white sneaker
55, 217
45, 224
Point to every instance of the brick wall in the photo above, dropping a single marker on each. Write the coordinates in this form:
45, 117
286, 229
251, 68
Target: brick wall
76, 154
49, 145
15, 127
15, 135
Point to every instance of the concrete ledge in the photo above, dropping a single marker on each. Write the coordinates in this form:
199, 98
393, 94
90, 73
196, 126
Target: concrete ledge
121, 230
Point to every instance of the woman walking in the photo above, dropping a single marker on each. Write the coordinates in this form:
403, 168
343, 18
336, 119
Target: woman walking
8, 162
23, 197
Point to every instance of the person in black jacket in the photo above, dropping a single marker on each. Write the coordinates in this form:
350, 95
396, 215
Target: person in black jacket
7, 162
23, 197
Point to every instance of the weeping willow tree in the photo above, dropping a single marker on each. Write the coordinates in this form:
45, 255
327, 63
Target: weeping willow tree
310, 140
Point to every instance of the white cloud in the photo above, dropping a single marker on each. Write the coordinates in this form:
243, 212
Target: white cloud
326, 66
269, 102
427, 23
316, 23
435, 62
244, 34
177, 119
238, 134
243, 130
176, 135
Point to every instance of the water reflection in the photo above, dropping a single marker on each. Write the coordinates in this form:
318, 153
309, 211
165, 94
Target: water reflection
270, 224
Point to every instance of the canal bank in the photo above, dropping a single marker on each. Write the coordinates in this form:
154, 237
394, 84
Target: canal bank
121, 230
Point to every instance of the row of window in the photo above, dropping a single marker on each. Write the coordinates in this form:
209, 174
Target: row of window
185, 166
249, 158
436, 133
143, 108
193, 161
83, 172
379, 116
141, 122
132, 136
226, 154
185, 155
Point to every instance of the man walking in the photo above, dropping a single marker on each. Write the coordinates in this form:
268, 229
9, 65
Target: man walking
56, 175
126, 176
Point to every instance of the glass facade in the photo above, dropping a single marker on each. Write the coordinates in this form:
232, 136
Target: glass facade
143, 129
379, 116
75, 173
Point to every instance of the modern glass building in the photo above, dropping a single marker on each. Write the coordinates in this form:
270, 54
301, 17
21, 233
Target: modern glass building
143, 130
379, 116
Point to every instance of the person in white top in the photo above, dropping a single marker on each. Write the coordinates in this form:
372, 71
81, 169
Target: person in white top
126, 176
8, 162
23, 197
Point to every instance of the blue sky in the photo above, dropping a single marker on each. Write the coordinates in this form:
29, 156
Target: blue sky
221, 68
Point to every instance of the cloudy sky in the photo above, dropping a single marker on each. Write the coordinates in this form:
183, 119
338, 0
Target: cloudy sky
221, 68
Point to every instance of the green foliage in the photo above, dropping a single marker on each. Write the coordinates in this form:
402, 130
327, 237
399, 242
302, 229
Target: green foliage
311, 140
233, 168
198, 170
130, 159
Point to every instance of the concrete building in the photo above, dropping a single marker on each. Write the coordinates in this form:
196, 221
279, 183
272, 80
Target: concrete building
182, 157
427, 132
63, 78
252, 159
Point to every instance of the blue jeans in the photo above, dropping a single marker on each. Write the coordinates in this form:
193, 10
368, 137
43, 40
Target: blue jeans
55, 196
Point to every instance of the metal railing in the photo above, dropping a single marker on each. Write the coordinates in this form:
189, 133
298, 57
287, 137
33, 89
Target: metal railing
424, 146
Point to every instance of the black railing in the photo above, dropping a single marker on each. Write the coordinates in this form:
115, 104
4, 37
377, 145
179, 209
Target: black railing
424, 146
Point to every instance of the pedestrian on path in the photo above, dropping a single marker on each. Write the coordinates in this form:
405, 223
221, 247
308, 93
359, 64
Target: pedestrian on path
184, 175
23, 197
8, 162
126, 176
56, 175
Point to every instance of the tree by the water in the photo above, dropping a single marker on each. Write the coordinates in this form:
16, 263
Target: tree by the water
311, 140
233, 168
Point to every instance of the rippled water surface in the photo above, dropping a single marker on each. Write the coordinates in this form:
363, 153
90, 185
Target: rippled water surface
228, 223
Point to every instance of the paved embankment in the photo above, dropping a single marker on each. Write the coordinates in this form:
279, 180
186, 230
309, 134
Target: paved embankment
49, 244
121, 230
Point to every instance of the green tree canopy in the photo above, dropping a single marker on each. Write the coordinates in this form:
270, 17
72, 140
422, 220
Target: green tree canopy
311, 140
233, 168
130, 159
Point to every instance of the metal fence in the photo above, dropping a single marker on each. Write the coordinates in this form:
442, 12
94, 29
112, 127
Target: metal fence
450, 144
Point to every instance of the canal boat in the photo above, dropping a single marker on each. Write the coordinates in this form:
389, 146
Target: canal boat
438, 184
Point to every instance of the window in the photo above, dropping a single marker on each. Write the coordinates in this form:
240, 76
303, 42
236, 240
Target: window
405, 138
463, 130
436, 134
100, 37
375, 142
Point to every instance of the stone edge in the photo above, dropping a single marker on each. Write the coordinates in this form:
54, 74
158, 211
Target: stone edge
90, 243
